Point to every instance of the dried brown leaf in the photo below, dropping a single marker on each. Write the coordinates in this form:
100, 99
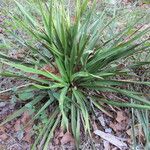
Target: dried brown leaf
4, 137
118, 126
28, 138
67, 138
121, 116
25, 117
2, 129
17, 125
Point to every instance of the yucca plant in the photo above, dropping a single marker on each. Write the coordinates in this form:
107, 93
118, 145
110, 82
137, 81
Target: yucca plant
75, 67
141, 128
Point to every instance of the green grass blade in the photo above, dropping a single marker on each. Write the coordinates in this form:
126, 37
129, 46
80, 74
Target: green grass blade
35, 71
44, 133
128, 105
80, 100
51, 133
25, 13
62, 98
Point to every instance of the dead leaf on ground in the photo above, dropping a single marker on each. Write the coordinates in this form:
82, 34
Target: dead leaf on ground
2, 129
121, 116
60, 133
3, 137
121, 123
28, 129
4, 97
25, 117
111, 138
118, 126
17, 125
67, 138
28, 138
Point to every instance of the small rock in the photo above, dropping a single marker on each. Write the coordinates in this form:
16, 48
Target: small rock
2, 104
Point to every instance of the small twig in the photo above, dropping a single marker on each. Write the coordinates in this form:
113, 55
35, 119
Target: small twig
21, 86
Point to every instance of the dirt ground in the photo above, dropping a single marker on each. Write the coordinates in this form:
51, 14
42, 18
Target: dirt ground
115, 132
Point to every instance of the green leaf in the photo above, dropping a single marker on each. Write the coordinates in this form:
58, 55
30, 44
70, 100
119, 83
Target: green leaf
47, 127
35, 71
26, 96
50, 135
78, 129
61, 106
25, 13
73, 119
3, 56
13, 74
47, 104
125, 104
101, 108
129, 94
80, 100
42, 87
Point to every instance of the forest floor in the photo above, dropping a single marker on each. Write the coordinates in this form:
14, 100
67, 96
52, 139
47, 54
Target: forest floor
116, 132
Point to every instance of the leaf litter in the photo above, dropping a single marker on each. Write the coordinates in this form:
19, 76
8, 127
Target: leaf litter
64, 138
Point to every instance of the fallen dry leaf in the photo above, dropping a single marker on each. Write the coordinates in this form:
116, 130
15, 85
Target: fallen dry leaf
2, 129
25, 117
121, 116
17, 125
28, 138
67, 138
58, 135
4, 97
3, 137
111, 138
118, 126
28, 129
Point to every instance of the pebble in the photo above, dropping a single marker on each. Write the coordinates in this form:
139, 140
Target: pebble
2, 104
